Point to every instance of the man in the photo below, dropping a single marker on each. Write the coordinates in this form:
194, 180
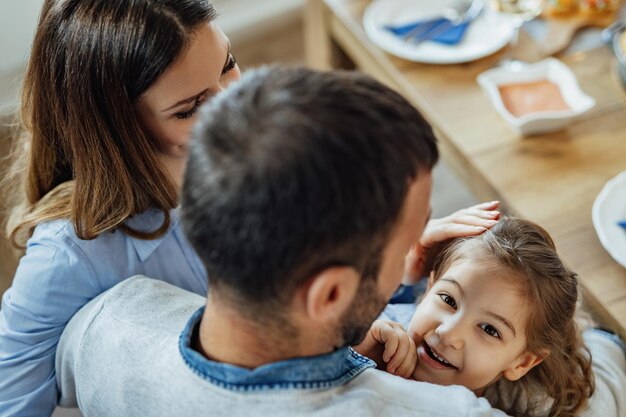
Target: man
303, 193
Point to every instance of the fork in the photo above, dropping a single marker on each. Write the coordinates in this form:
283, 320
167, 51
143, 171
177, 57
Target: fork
455, 15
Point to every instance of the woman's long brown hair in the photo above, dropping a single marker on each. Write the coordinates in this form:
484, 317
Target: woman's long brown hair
82, 153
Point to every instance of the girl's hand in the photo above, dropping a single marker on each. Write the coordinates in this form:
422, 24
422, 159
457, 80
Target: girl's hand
390, 346
467, 222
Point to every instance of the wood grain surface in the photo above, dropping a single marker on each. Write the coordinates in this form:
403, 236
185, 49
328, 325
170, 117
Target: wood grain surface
551, 179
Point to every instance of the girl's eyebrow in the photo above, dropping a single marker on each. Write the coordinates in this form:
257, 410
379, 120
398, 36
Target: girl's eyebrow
454, 282
502, 320
489, 313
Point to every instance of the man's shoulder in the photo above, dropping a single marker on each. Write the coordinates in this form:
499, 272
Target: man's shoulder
137, 303
398, 395
127, 334
149, 293
144, 302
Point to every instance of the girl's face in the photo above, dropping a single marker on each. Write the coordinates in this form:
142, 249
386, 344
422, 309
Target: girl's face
470, 327
168, 109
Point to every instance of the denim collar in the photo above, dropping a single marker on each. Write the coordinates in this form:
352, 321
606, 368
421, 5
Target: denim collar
324, 371
149, 221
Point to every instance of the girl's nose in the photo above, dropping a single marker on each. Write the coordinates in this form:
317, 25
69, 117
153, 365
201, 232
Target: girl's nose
451, 333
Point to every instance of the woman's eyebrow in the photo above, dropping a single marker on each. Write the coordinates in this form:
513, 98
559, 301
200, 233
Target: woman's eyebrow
502, 320
194, 97
186, 100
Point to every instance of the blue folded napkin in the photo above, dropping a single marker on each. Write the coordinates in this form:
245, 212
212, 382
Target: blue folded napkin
444, 30
622, 224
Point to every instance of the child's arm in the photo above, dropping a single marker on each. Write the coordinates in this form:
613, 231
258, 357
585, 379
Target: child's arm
389, 345
608, 354
463, 223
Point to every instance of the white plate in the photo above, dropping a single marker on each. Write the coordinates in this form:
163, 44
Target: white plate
608, 209
485, 35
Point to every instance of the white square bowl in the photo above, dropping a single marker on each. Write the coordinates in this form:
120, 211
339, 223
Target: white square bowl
537, 122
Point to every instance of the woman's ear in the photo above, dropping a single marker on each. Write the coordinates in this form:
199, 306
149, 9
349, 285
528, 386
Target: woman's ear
523, 364
330, 293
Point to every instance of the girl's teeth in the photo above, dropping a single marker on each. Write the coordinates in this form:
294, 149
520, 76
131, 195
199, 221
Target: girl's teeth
439, 358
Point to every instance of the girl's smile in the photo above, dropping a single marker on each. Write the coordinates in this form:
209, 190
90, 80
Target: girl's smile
433, 359
470, 327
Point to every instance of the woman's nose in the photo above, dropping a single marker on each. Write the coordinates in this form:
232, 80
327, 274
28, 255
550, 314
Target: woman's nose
451, 332
223, 86
233, 76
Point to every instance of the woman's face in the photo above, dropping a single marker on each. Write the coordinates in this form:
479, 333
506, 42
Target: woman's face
470, 327
168, 109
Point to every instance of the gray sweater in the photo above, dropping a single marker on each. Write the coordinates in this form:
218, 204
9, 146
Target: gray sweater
120, 356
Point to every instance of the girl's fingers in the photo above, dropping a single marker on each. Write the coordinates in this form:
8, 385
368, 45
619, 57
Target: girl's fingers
406, 368
391, 348
401, 352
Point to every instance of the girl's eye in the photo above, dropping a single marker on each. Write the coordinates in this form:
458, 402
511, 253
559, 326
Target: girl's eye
232, 62
187, 114
490, 330
448, 300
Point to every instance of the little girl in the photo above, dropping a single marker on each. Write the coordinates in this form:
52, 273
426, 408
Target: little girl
498, 317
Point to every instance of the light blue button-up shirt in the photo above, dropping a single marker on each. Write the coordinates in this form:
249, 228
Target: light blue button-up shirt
58, 275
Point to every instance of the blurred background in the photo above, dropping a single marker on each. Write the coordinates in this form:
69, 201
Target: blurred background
261, 32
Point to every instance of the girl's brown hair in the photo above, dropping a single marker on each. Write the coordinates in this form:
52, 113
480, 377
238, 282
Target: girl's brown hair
83, 154
563, 382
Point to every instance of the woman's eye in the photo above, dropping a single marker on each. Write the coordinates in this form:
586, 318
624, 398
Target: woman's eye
232, 62
187, 114
448, 300
490, 330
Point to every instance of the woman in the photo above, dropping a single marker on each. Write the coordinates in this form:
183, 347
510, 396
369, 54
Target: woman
110, 96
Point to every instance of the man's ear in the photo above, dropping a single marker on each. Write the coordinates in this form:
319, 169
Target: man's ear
330, 293
524, 363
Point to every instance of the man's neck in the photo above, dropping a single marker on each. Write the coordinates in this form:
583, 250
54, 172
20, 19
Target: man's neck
227, 336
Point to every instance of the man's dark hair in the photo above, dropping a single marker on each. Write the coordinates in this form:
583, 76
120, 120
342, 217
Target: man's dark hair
292, 171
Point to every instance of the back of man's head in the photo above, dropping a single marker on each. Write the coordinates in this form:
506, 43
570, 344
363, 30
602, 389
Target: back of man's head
292, 171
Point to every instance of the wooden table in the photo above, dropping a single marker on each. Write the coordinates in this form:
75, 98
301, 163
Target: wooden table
551, 179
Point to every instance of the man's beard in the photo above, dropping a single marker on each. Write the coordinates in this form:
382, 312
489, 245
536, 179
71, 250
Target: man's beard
366, 307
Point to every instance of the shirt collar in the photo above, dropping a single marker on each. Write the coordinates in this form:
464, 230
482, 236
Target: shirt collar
149, 221
323, 371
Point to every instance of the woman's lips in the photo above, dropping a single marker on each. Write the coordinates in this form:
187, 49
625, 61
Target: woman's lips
432, 359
